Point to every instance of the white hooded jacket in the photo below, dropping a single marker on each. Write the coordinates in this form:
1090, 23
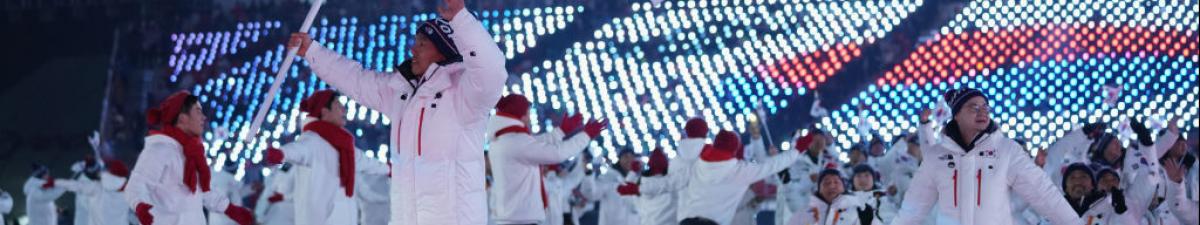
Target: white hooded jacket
974, 187
437, 128
320, 198
157, 180
716, 188
516, 169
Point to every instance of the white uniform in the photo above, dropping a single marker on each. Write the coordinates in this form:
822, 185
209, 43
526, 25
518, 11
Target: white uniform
799, 189
679, 172
843, 211
39, 202
437, 129
105, 204
516, 169
657, 208
223, 184
282, 212
974, 187
896, 168
716, 188
373, 198
614, 208
1143, 178
81, 201
320, 198
6, 204
157, 180
559, 189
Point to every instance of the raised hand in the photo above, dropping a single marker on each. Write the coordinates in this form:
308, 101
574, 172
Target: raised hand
451, 8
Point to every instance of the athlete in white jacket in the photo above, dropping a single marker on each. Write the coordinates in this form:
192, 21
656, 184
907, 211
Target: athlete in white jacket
719, 181
274, 205
439, 105
864, 183
677, 174
1095, 207
832, 205
223, 183
170, 182
616, 209
800, 183
105, 204
972, 172
560, 185
517, 158
658, 207
40, 194
327, 162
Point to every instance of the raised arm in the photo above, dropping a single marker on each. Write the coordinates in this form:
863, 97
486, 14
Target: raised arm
751, 172
371, 88
549, 151
485, 72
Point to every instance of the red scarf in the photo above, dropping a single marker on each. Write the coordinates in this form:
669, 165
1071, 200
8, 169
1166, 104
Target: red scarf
343, 142
195, 167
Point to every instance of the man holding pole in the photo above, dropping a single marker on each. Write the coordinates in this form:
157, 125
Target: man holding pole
439, 104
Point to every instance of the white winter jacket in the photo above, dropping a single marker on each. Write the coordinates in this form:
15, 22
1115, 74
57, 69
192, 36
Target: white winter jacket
157, 180
716, 188
974, 187
516, 169
39, 202
282, 212
322, 200
657, 208
438, 125
224, 184
615, 209
104, 203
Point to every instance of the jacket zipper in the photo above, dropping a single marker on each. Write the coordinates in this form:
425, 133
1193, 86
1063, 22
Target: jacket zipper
955, 187
979, 187
420, 129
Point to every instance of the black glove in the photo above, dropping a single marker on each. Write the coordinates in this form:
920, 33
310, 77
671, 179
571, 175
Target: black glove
1093, 130
1118, 201
785, 176
866, 216
1143, 133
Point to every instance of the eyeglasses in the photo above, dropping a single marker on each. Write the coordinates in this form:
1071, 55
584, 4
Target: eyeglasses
981, 108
